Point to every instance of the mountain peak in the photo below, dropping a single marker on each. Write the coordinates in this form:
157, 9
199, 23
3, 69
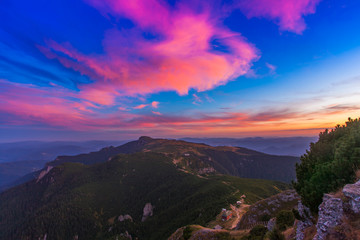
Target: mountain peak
145, 139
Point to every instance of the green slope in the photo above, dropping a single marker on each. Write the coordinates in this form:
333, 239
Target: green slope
195, 157
86, 200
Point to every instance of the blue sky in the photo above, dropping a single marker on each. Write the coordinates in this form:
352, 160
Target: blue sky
89, 69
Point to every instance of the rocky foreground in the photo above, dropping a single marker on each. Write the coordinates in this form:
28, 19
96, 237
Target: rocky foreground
339, 216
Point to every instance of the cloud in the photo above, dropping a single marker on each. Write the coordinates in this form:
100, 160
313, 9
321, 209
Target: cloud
196, 99
272, 68
27, 105
288, 14
141, 106
155, 104
156, 113
178, 57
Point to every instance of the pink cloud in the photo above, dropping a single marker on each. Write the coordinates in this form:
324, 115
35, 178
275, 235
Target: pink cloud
156, 113
181, 59
141, 106
24, 104
155, 104
288, 14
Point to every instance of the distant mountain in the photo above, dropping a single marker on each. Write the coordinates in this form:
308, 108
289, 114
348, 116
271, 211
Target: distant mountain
193, 157
200, 158
47, 151
144, 194
24, 158
292, 146
11, 171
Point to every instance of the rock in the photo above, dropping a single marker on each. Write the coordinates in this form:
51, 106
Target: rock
306, 221
330, 215
122, 218
269, 206
128, 217
126, 235
271, 224
206, 170
44, 172
352, 191
147, 212
218, 227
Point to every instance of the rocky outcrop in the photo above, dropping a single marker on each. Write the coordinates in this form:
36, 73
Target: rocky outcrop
334, 215
147, 212
271, 224
125, 217
43, 173
285, 200
352, 192
306, 221
331, 212
206, 170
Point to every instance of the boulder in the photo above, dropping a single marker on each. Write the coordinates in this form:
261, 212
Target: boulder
330, 215
306, 221
352, 191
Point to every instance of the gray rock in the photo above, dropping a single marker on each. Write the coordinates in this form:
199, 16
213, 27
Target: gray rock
147, 212
271, 224
330, 215
352, 191
307, 218
218, 227
122, 218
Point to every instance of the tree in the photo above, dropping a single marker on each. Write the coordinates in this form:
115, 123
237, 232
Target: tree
330, 163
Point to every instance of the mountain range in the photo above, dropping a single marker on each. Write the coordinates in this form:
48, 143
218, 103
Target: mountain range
145, 188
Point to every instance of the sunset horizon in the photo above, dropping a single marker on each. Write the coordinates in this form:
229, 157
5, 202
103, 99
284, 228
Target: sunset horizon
117, 70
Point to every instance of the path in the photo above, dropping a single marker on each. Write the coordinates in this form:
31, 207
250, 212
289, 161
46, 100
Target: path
239, 213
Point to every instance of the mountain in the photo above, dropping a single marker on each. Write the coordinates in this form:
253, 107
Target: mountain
228, 160
293, 146
25, 158
11, 171
142, 194
200, 158
47, 151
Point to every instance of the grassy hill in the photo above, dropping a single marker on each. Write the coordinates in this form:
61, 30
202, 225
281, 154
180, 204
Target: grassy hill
201, 158
74, 199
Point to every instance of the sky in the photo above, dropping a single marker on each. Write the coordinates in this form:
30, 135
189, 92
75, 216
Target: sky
119, 69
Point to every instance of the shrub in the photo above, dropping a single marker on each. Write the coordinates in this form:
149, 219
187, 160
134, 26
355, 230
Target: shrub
330, 163
276, 235
284, 219
187, 232
265, 217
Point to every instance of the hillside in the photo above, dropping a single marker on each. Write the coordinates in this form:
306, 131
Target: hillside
105, 200
25, 158
201, 158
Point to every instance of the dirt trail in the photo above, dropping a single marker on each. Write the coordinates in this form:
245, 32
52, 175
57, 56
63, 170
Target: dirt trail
239, 213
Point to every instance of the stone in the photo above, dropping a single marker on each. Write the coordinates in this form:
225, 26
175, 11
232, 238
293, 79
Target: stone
306, 221
330, 215
44, 172
271, 224
147, 212
217, 227
352, 191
